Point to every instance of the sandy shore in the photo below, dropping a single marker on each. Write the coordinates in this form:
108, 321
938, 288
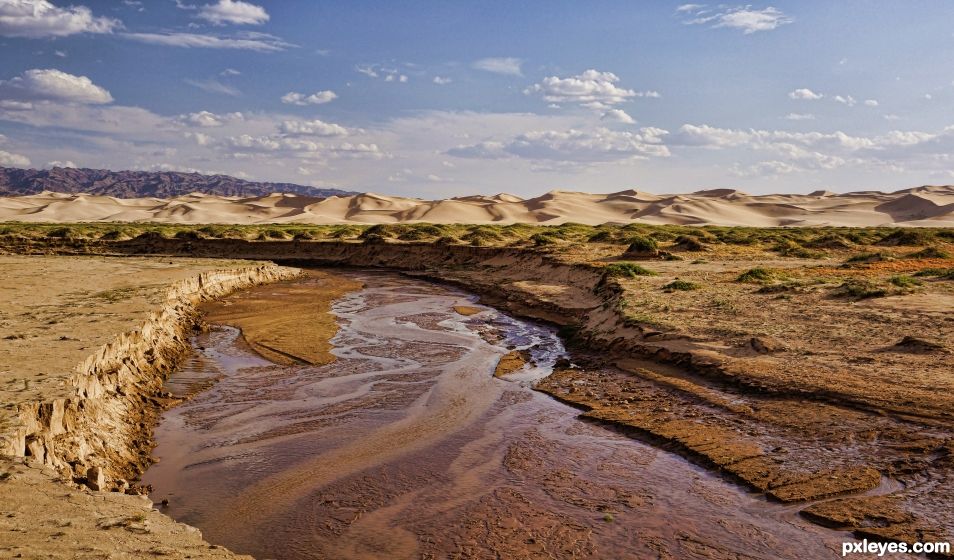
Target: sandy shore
57, 312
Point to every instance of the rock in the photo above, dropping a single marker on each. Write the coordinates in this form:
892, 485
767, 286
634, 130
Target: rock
767, 345
95, 478
920, 345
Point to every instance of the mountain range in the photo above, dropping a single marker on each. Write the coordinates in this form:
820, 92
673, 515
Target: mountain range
139, 184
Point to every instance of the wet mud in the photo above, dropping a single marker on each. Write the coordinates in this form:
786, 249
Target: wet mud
408, 446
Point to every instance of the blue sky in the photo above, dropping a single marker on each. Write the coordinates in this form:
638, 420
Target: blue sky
437, 99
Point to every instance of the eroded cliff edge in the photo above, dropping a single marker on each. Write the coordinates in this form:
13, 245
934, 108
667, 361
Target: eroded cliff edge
94, 433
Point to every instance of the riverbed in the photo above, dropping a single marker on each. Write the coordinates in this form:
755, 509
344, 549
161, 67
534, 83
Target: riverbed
407, 446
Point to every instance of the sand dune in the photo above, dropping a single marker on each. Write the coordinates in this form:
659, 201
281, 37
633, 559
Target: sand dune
921, 206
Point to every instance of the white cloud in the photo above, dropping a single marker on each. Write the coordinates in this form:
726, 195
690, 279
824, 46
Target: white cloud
571, 146
506, 65
618, 115
690, 7
800, 117
200, 138
871, 102
744, 18
313, 128
378, 71
894, 151
233, 11
750, 21
212, 85
53, 85
317, 98
805, 94
260, 42
57, 163
303, 148
13, 160
592, 88
441, 81
845, 100
39, 18
206, 119
12, 105
230, 72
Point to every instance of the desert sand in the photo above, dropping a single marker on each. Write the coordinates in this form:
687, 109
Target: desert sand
921, 206
57, 313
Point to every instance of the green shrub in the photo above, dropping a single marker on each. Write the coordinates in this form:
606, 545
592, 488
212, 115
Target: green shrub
828, 241
933, 272
903, 281
62, 233
690, 243
788, 248
756, 275
909, 236
931, 252
544, 239
860, 289
681, 285
640, 245
417, 232
869, 257
625, 269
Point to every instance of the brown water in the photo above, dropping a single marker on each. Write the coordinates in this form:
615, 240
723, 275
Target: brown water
408, 447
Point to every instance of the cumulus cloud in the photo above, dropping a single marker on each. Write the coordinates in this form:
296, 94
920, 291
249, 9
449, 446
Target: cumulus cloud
53, 85
304, 148
800, 117
13, 160
39, 18
592, 88
313, 128
441, 81
57, 163
505, 65
260, 42
579, 146
871, 102
317, 98
206, 119
816, 151
805, 94
618, 115
743, 18
233, 11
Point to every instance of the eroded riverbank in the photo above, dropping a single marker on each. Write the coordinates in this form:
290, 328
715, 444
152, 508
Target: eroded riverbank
406, 446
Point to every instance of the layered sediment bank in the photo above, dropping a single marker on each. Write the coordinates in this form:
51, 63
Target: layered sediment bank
91, 423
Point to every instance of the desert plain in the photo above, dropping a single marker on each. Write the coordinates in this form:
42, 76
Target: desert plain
808, 368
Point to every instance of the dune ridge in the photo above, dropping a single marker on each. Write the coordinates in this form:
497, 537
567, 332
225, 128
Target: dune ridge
920, 206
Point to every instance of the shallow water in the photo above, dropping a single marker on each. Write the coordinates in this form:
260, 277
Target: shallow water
408, 447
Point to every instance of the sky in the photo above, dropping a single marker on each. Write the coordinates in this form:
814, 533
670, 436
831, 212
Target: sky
436, 99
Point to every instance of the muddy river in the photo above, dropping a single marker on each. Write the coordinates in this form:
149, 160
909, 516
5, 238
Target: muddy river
407, 446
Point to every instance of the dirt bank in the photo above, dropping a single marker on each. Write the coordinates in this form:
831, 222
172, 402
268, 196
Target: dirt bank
795, 390
91, 423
